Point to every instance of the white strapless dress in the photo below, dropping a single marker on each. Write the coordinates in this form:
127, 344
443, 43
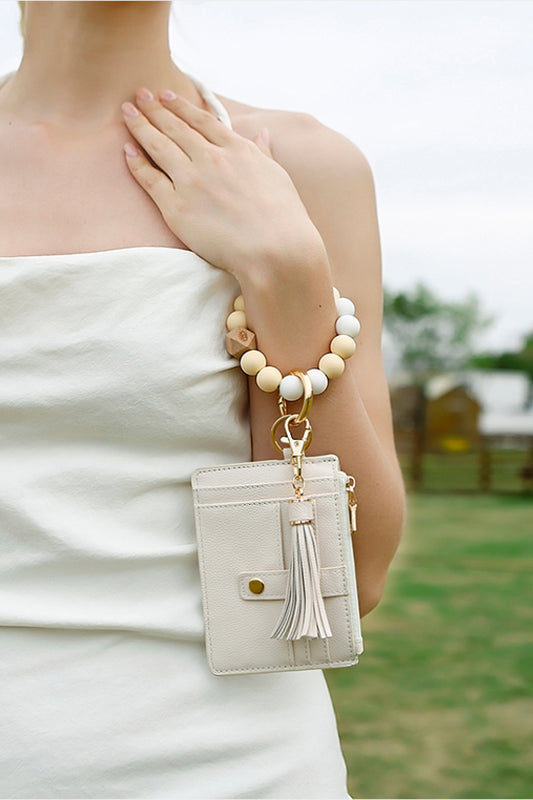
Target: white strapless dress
114, 386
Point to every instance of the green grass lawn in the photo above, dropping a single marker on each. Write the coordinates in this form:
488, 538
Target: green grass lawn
441, 704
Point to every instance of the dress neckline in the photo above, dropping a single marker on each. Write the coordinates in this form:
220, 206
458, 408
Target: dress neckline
113, 251
221, 113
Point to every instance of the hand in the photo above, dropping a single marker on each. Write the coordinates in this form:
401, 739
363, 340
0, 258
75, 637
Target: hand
221, 194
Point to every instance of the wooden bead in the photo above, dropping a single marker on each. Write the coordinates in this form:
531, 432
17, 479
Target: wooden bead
332, 365
252, 362
237, 319
268, 379
343, 346
238, 303
239, 340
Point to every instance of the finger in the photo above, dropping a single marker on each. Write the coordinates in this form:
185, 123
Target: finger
262, 140
162, 150
154, 182
187, 138
202, 121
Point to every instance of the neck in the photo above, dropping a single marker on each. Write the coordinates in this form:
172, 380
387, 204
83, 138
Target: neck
83, 59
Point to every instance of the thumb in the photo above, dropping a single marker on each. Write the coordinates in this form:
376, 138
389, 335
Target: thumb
262, 140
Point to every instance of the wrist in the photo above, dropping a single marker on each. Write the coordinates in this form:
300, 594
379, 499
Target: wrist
279, 264
292, 313
241, 342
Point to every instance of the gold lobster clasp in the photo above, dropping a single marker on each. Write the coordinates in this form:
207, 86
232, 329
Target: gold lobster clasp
297, 446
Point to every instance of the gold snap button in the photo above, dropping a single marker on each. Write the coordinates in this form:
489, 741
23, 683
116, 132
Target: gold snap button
256, 586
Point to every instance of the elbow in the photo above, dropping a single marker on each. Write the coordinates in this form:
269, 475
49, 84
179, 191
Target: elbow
370, 596
372, 578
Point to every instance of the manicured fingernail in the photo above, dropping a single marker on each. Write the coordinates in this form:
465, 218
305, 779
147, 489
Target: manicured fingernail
265, 136
129, 110
167, 94
145, 94
130, 150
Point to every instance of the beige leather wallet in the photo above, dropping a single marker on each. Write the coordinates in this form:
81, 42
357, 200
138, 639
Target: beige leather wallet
245, 531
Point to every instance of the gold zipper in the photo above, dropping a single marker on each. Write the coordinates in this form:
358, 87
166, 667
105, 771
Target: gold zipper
352, 502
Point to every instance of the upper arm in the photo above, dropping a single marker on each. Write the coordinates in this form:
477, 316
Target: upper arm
336, 185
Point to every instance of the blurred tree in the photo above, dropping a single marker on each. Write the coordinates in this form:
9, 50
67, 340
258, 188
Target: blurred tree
432, 335
521, 360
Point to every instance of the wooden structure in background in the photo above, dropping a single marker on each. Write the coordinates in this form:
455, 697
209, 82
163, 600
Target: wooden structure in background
452, 421
448, 418
409, 420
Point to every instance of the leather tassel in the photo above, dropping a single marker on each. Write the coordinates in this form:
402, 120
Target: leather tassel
304, 612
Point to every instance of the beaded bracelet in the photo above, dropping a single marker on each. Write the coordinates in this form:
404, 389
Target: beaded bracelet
241, 343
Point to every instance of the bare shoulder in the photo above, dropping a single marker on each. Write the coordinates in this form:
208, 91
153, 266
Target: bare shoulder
335, 183
313, 154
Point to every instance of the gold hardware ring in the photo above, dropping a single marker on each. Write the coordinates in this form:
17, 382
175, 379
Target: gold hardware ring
307, 401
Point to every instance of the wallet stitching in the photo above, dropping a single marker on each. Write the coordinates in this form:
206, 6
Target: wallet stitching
262, 500
318, 479
207, 630
325, 664
261, 464
343, 551
290, 649
294, 666
244, 578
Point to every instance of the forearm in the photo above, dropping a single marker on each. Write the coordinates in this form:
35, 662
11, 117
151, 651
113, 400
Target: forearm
292, 311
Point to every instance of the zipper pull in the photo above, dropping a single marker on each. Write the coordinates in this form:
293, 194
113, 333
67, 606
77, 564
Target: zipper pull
352, 503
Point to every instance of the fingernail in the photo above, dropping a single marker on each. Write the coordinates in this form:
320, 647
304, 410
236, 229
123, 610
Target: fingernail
130, 150
265, 136
145, 94
167, 94
129, 110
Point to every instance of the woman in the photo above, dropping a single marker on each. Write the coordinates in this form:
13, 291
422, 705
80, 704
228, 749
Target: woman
117, 269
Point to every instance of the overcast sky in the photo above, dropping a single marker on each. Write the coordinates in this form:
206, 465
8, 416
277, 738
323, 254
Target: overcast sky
437, 94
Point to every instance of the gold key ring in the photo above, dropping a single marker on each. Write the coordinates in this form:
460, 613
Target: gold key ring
307, 401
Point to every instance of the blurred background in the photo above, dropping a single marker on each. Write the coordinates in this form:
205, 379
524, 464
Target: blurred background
437, 94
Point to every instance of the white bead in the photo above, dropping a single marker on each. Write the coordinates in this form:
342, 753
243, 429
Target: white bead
344, 306
238, 303
291, 387
332, 365
252, 361
268, 379
343, 346
319, 380
336, 293
348, 325
237, 319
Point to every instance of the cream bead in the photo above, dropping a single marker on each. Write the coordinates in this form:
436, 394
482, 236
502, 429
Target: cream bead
268, 379
332, 365
291, 387
344, 306
319, 380
348, 325
237, 319
343, 346
252, 361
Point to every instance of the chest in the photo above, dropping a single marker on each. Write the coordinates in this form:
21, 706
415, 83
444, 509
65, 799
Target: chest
60, 197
